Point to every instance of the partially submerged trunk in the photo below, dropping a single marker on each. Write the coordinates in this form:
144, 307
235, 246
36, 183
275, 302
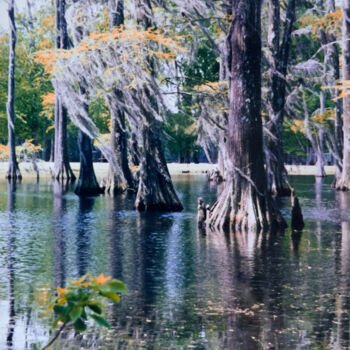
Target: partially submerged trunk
316, 141
62, 170
335, 138
297, 215
320, 160
278, 59
124, 180
343, 182
87, 184
245, 202
156, 191
52, 150
118, 182
13, 171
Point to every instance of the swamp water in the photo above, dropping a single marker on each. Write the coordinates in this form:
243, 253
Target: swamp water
186, 291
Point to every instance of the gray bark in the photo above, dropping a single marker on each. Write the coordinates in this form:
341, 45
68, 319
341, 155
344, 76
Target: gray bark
155, 190
245, 203
343, 182
87, 184
62, 170
13, 171
278, 59
123, 180
335, 142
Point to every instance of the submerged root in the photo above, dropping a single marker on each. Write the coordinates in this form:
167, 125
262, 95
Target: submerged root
215, 176
341, 183
297, 216
63, 173
13, 172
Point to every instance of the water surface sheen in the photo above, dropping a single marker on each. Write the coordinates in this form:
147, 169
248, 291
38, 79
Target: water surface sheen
186, 291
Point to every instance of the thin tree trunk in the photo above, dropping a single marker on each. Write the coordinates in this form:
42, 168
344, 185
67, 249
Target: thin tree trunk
52, 149
119, 145
320, 161
87, 184
333, 60
13, 171
155, 190
343, 182
245, 202
62, 170
118, 182
316, 140
279, 54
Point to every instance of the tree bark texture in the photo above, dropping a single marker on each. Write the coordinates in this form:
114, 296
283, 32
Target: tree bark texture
245, 203
13, 171
315, 139
123, 180
278, 59
331, 50
155, 191
134, 150
62, 170
343, 183
87, 184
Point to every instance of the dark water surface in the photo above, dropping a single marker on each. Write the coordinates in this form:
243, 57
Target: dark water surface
186, 291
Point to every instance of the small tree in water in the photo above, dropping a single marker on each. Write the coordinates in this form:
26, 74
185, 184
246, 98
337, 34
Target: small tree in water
13, 170
245, 202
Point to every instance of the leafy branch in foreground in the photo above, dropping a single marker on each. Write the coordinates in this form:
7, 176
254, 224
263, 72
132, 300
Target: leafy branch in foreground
82, 299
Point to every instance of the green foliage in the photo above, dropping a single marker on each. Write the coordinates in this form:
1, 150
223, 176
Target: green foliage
294, 142
31, 83
181, 130
82, 299
203, 68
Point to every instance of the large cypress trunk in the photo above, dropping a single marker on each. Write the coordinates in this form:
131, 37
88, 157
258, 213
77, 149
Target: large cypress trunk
343, 182
155, 190
13, 171
62, 170
245, 202
119, 142
277, 175
87, 184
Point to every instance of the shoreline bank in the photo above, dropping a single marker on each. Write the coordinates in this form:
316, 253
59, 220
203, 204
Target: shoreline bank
101, 169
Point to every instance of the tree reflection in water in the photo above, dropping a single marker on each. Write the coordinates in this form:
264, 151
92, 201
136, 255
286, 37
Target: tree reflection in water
83, 231
244, 291
59, 211
11, 192
342, 298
